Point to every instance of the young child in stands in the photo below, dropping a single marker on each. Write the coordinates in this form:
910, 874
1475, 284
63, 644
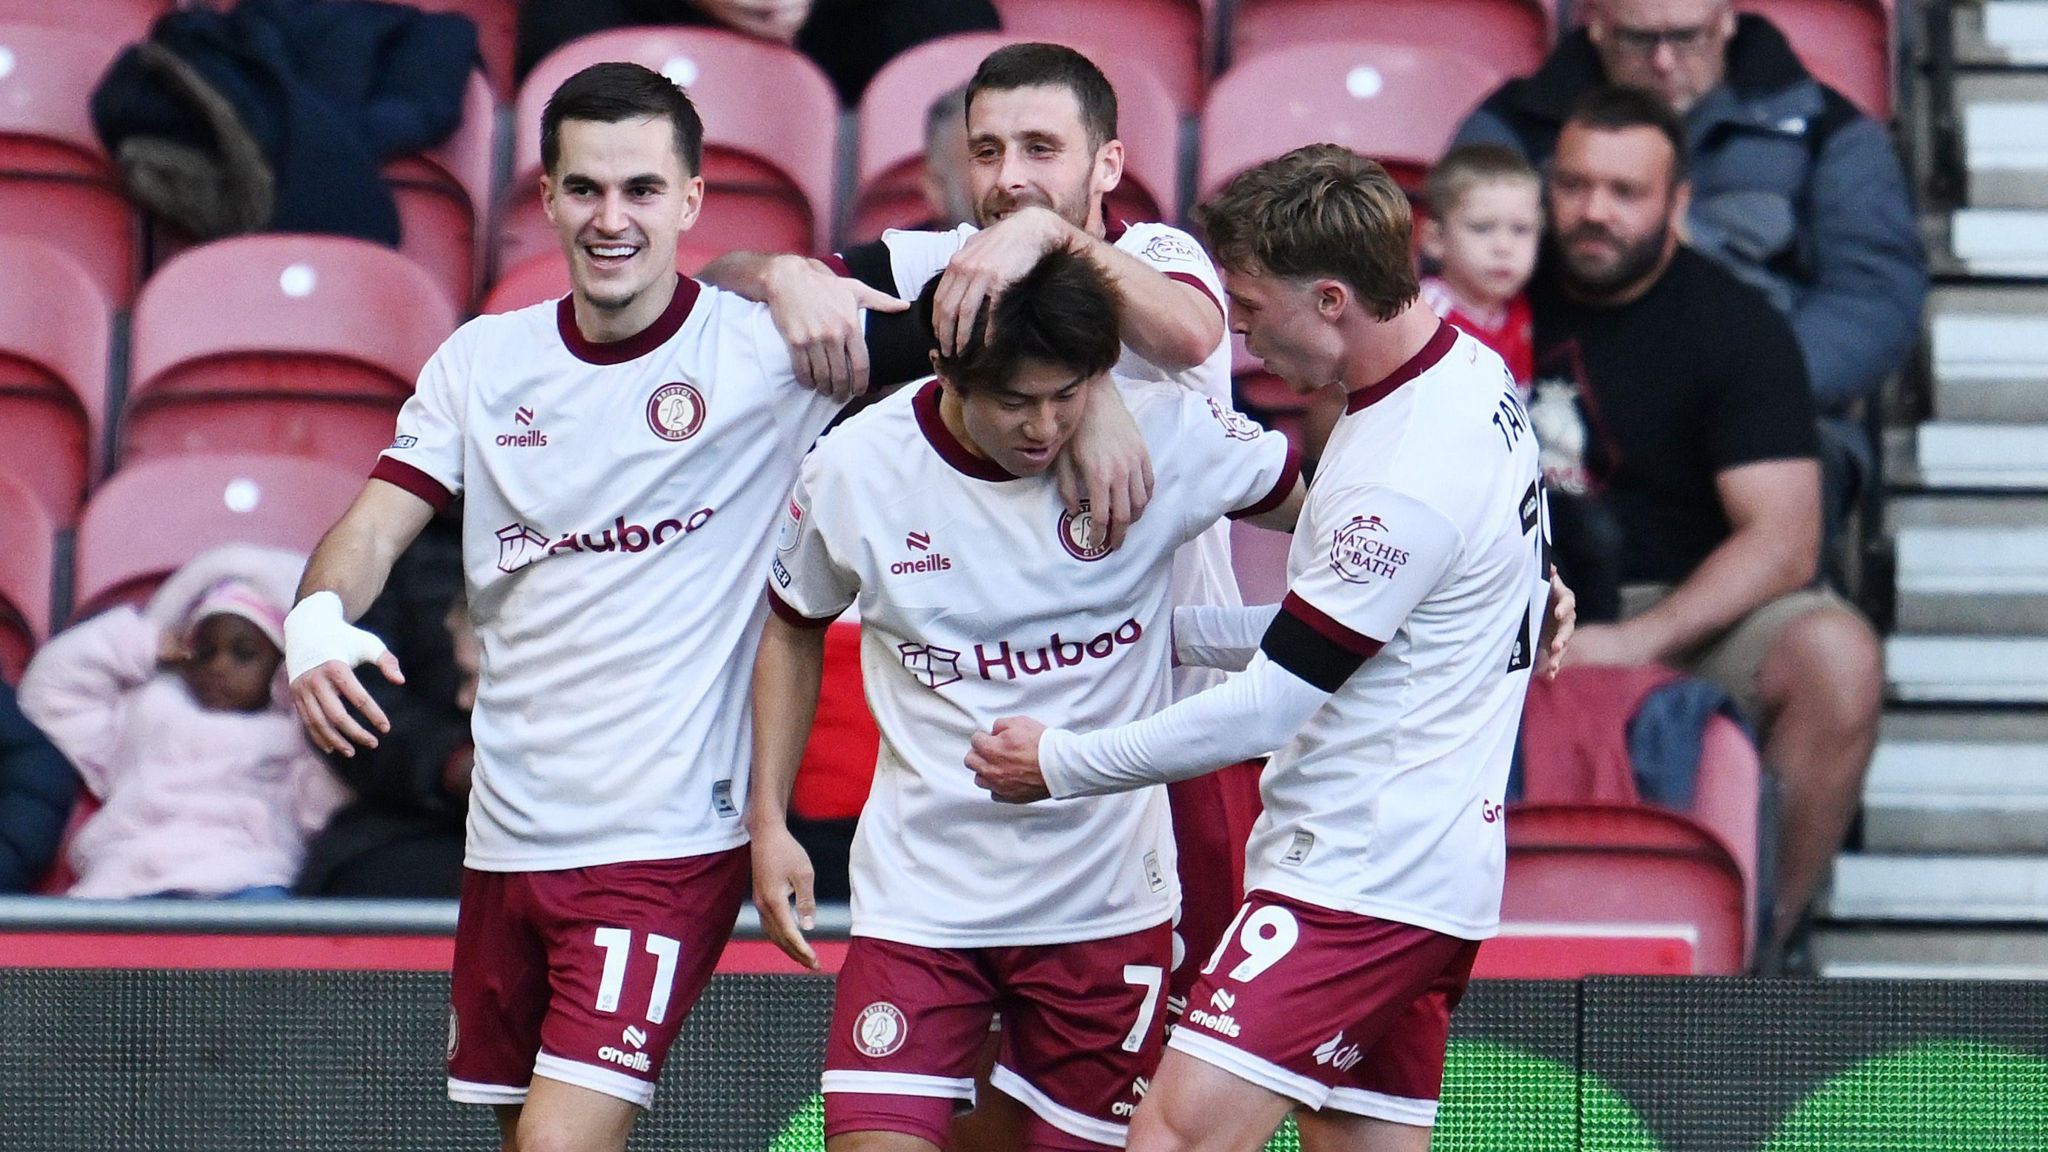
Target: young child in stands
177, 719
1485, 220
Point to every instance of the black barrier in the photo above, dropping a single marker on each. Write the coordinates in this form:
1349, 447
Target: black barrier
294, 1061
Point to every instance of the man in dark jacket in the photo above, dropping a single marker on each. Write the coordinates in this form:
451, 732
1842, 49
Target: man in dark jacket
37, 787
1794, 190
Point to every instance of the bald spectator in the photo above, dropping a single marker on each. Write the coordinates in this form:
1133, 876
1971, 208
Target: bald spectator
1699, 436
945, 163
1794, 190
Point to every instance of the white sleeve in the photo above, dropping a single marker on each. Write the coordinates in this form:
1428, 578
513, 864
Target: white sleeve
806, 586
1227, 464
1249, 715
1219, 636
425, 457
916, 257
1177, 256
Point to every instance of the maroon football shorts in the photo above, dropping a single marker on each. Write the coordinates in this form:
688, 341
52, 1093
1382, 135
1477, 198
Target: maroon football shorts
1082, 1026
1213, 816
583, 975
1333, 1009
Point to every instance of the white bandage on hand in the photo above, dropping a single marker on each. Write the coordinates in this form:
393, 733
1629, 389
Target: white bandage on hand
315, 632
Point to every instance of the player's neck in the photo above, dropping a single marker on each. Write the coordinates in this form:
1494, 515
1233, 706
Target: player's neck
955, 419
1384, 345
608, 325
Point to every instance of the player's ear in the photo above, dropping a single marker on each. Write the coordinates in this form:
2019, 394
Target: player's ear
933, 356
1333, 298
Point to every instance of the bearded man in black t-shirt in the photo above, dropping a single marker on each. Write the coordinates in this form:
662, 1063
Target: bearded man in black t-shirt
1674, 399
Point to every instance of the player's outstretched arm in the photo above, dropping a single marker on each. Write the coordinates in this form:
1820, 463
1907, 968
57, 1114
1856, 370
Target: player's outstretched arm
816, 310
787, 672
1224, 637
321, 649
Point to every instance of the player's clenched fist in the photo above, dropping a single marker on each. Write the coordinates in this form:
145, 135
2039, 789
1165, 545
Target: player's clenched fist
321, 650
782, 875
1005, 761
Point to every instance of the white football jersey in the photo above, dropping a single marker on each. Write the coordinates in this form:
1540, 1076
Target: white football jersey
620, 501
1202, 572
980, 599
1424, 537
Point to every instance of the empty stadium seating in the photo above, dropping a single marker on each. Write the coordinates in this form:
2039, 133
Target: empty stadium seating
118, 21
24, 576
1633, 868
1846, 43
1398, 104
890, 158
1512, 36
55, 179
302, 345
444, 198
1169, 35
770, 143
149, 518
54, 322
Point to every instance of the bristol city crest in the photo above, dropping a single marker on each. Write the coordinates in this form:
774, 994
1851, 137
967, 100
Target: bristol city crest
676, 411
1075, 532
880, 1029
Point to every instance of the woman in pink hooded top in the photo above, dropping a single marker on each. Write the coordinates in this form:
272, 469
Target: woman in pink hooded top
178, 721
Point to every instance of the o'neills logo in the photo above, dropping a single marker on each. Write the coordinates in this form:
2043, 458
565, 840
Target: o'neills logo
937, 563
1058, 653
624, 537
534, 438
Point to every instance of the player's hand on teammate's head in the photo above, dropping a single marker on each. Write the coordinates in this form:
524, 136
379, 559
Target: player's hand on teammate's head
1558, 625
782, 877
988, 262
1005, 760
321, 650
1105, 472
818, 313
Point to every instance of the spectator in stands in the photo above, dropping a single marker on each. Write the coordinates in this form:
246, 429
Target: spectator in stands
849, 39
37, 786
1485, 221
403, 835
946, 191
1794, 190
1698, 428
178, 720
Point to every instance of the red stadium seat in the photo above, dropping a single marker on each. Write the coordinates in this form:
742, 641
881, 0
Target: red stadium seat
892, 116
55, 179
497, 34
1511, 36
1169, 36
1399, 105
1617, 864
120, 21
444, 198
148, 519
1846, 43
771, 124
301, 345
54, 325
24, 576
546, 277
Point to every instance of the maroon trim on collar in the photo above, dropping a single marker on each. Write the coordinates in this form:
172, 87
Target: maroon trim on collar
1438, 347
947, 445
640, 343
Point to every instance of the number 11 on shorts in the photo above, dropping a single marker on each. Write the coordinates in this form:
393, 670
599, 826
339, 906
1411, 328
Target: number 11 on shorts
618, 945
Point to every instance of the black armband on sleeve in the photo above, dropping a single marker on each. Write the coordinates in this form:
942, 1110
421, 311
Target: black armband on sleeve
1313, 647
899, 349
872, 265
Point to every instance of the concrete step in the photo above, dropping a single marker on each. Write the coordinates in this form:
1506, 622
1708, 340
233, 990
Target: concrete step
1931, 953
1938, 510
1988, 349
1956, 796
1929, 889
1979, 455
2006, 33
1976, 580
1948, 669
2004, 119
1999, 242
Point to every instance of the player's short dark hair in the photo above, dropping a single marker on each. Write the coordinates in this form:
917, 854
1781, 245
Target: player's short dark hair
1061, 312
1320, 210
1051, 66
1612, 108
616, 91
